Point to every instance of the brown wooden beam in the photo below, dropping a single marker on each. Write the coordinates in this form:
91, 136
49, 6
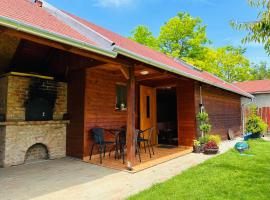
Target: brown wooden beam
64, 47
124, 71
131, 119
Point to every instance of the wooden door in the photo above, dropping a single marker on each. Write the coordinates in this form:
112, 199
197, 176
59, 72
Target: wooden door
148, 110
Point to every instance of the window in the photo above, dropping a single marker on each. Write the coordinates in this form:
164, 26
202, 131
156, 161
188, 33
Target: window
148, 107
121, 97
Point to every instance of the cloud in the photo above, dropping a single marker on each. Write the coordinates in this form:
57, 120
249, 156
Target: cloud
113, 3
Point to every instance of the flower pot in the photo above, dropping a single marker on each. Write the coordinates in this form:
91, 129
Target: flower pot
197, 149
210, 150
255, 136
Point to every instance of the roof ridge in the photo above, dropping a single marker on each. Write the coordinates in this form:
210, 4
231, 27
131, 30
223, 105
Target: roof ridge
78, 26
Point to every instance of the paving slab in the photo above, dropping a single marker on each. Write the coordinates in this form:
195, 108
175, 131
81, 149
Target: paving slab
70, 179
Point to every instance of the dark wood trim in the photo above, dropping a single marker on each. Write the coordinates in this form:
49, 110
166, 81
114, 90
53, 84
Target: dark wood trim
131, 117
57, 45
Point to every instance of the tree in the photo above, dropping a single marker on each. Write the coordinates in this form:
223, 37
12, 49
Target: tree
260, 71
228, 63
259, 30
143, 35
183, 37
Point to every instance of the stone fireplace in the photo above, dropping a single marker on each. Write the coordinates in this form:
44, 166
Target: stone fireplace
32, 113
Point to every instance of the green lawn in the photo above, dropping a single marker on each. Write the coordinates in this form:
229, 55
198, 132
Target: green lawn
227, 176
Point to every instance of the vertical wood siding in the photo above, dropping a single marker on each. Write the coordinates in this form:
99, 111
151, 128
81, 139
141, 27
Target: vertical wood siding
186, 112
224, 109
100, 98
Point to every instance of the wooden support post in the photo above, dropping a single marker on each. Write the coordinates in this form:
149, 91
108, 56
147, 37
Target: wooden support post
131, 119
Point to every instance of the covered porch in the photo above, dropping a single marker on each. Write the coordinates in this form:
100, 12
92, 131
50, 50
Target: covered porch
138, 97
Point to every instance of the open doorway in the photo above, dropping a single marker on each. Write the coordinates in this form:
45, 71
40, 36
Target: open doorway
167, 116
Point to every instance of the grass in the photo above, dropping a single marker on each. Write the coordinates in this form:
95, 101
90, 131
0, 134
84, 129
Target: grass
227, 176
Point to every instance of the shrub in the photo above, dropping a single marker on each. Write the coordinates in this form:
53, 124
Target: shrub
196, 143
205, 128
203, 116
207, 138
255, 124
204, 139
215, 138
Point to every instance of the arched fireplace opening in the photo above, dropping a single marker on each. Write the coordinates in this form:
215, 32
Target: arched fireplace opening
36, 152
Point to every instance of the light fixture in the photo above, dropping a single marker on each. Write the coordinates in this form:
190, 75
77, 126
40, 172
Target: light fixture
144, 72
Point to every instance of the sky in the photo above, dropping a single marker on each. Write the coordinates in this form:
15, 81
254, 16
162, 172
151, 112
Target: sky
122, 16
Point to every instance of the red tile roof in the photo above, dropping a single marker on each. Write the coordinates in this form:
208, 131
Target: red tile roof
27, 12
254, 87
144, 51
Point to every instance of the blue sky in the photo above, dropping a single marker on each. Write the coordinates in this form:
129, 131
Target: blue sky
122, 16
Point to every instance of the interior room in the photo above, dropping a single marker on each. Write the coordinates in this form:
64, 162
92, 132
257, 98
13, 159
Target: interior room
167, 116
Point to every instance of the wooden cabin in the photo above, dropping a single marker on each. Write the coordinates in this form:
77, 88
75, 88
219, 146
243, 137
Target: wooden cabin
107, 81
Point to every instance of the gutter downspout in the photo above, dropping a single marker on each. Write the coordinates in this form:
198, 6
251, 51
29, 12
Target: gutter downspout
201, 106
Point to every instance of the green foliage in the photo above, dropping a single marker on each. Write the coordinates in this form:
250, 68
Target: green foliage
196, 143
257, 30
202, 116
260, 71
254, 123
204, 139
215, 138
143, 35
206, 128
184, 37
208, 138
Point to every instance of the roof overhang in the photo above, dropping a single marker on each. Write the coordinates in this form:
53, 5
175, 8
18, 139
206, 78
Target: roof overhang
27, 28
149, 61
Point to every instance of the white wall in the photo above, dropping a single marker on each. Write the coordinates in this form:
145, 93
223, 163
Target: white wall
261, 100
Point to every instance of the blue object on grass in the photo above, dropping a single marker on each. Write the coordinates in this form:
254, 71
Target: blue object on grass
241, 146
247, 136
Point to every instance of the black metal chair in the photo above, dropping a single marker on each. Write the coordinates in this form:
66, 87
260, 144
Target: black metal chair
146, 141
122, 143
98, 138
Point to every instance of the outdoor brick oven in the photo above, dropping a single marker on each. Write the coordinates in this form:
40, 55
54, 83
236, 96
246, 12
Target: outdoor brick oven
32, 113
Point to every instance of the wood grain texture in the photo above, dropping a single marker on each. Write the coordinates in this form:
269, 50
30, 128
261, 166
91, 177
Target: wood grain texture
100, 99
186, 112
75, 129
224, 109
151, 121
131, 102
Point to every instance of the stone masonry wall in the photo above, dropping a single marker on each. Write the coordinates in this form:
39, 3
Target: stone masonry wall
3, 95
20, 138
18, 88
2, 144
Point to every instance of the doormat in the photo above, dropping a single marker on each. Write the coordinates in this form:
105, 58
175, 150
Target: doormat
166, 146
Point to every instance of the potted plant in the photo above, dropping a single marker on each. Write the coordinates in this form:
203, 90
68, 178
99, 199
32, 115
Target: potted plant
255, 125
211, 147
196, 146
205, 126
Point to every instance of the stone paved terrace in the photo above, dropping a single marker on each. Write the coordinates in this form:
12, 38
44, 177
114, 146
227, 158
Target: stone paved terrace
70, 179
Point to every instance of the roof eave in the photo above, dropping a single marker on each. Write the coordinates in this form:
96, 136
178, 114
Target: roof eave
24, 27
143, 59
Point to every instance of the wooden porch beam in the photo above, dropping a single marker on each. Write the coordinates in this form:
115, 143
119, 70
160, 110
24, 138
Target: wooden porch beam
64, 47
124, 71
131, 119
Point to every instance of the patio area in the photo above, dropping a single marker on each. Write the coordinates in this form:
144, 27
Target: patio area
73, 179
162, 154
